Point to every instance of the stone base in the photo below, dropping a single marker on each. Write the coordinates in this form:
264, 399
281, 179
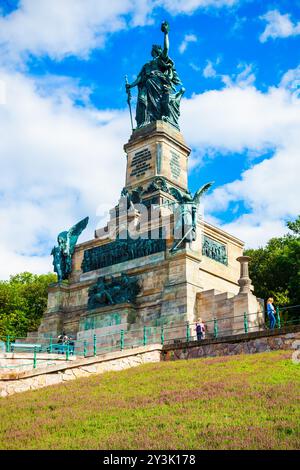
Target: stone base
170, 287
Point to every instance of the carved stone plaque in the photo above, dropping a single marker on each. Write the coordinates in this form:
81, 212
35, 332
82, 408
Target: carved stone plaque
141, 163
175, 165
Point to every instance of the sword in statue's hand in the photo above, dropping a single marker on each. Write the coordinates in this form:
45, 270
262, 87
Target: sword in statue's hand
129, 99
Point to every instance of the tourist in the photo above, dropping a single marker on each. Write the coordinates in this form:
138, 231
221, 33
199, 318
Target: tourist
60, 338
200, 329
66, 339
63, 338
271, 312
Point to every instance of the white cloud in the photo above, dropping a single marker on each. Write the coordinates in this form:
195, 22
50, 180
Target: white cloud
75, 27
291, 81
237, 119
2, 92
209, 71
256, 233
195, 67
58, 163
243, 79
188, 38
71, 27
278, 26
189, 6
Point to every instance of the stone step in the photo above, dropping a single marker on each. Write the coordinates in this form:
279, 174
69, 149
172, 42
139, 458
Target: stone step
223, 296
206, 294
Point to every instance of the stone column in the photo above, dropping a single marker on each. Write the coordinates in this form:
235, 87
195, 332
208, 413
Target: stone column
244, 281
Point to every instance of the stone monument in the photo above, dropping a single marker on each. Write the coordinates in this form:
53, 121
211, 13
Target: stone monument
156, 261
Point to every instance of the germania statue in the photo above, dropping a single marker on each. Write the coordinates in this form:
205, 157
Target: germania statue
63, 253
157, 82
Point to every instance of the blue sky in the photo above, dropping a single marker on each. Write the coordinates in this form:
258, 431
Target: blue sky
64, 118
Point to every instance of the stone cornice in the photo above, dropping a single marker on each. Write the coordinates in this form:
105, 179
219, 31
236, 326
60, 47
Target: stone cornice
221, 235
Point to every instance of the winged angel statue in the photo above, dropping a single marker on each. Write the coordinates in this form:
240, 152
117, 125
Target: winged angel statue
186, 214
62, 254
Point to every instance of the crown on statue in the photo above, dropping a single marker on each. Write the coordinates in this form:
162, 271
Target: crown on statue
165, 27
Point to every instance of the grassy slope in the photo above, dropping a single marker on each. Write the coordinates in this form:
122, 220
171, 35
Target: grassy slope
236, 402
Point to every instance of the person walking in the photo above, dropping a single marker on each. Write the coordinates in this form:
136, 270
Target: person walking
271, 312
200, 329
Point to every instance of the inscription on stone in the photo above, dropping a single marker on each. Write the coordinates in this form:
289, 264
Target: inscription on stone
175, 165
141, 162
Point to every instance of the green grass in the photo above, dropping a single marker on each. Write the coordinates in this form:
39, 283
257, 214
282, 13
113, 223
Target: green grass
233, 402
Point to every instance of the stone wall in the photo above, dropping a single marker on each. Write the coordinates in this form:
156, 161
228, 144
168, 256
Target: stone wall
244, 344
229, 310
251, 343
39, 378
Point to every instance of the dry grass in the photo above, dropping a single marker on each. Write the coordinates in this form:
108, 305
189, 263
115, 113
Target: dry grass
237, 402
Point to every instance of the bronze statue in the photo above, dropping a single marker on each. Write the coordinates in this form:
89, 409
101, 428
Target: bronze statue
63, 253
186, 214
156, 82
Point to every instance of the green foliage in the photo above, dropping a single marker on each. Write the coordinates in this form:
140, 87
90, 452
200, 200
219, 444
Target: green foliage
275, 269
295, 226
23, 300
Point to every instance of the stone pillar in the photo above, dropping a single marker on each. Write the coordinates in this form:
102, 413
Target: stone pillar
246, 302
244, 281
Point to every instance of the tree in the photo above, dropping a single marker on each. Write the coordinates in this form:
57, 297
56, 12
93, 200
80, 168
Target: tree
275, 269
23, 300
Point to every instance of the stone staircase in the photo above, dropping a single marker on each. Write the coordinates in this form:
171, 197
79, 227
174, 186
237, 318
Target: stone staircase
213, 304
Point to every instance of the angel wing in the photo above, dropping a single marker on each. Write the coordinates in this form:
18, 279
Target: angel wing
74, 233
201, 191
177, 194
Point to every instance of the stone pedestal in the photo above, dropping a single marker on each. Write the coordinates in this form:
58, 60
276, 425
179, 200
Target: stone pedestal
171, 281
158, 149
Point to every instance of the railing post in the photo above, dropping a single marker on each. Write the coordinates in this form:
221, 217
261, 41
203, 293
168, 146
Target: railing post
50, 345
145, 336
216, 330
34, 357
187, 332
8, 344
67, 351
278, 317
246, 326
85, 349
95, 345
162, 335
122, 340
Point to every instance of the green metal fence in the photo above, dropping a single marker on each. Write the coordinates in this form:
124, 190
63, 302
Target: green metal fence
166, 333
